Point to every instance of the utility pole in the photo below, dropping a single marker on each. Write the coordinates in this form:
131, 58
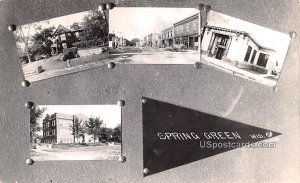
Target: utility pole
73, 129
121, 37
200, 8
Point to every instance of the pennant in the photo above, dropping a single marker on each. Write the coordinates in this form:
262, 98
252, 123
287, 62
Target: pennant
175, 136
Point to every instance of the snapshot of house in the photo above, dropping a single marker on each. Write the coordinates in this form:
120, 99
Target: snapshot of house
154, 35
62, 45
75, 132
242, 48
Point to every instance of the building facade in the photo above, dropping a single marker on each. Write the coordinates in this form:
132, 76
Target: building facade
154, 40
57, 129
239, 48
167, 36
186, 32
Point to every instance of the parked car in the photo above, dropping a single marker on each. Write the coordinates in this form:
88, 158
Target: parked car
177, 47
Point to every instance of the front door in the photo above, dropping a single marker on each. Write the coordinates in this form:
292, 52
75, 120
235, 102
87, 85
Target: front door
220, 53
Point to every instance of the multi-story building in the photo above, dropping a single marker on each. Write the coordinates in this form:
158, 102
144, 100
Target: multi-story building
57, 128
186, 32
154, 40
167, 36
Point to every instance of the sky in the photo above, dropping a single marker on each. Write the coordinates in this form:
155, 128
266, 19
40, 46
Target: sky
264, 36
138, 22
110, 114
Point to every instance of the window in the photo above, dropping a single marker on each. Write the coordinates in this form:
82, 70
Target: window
60, 121
262, 60
247, 56
171, 33
187, 28
53, 132
253, 56
195, 25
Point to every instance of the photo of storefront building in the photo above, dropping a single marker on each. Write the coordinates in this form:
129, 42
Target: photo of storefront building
239, 48
186, 32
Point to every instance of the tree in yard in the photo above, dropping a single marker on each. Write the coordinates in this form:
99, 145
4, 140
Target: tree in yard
95, 27
135, 41
117, 134
77, 128
23, 35
40, 42
35, 114
105, 134
94, 127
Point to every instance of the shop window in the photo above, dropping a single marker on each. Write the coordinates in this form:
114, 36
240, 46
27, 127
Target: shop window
253, 56
262, 60
247, 56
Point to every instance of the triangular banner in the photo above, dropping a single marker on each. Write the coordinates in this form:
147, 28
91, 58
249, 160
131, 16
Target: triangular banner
175, 136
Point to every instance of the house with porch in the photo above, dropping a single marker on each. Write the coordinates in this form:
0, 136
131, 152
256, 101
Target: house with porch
65, 35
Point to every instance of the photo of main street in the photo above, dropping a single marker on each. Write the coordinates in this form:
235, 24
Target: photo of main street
62, 45
75, 132
154, 36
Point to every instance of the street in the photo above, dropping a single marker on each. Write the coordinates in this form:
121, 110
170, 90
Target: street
149, 55
77, 153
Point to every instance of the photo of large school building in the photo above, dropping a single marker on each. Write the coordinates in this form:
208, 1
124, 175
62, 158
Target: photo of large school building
57, 129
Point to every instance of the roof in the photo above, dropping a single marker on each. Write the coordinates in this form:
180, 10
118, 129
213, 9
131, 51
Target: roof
167, 29
240, 33
61, 29
192, 17
61, 115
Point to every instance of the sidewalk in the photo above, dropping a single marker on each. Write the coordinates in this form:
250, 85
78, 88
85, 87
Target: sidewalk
224, 66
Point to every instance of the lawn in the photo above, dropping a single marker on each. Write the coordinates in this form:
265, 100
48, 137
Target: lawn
54, 66
102, 152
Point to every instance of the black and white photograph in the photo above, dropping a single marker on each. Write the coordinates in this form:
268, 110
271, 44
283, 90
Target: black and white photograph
244, 49
62, 45
154, 35
75, 132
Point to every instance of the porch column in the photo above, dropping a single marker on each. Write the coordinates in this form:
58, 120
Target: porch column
194, 42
